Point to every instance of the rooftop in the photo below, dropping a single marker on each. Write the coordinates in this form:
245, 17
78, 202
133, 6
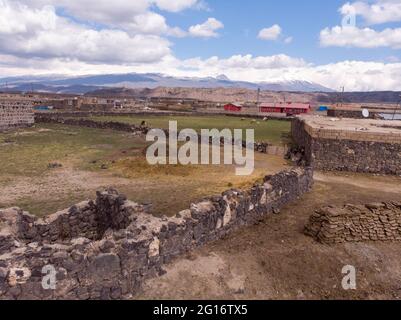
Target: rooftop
353, 129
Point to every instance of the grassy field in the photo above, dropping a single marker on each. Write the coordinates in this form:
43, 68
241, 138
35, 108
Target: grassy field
273, 131
83, 160
29, 152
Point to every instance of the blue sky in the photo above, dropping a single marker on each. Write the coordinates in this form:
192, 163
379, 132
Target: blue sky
252, 40
302, 20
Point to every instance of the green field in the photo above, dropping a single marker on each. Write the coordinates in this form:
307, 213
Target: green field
29, 152
93, 159
273, 131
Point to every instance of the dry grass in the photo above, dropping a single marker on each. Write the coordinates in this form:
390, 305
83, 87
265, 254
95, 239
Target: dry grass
138, 167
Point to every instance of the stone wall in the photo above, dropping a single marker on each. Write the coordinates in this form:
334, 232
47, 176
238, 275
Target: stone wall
354, 223
15, 116
118, 126
106, 248
84, 114
353, 114
336, 152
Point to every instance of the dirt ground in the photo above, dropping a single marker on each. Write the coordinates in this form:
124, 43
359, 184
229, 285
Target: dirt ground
275, 260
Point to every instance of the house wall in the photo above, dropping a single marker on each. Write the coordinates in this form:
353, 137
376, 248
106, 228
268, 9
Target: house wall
348, 151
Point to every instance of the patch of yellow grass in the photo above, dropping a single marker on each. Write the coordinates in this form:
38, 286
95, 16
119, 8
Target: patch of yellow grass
134, 167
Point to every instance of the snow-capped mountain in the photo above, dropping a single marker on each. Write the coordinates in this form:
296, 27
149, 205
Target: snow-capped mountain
84, 84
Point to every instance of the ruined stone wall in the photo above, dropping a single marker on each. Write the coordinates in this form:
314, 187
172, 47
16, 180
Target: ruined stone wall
339, 153
83, 114
354, 223
107, 248
87, 219
15, 116
118, 126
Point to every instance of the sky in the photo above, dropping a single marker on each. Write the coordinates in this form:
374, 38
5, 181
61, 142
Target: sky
334, 43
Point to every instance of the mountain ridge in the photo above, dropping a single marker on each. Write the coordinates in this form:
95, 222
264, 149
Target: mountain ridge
87, 83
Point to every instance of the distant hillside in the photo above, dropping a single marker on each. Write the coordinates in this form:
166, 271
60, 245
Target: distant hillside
247, 95
84, 84
218, 89
207, 94
361, 97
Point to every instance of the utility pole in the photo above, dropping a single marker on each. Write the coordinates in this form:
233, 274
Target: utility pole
396, 107
342, 96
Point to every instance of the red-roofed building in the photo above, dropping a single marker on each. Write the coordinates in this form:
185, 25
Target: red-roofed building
270, 108
285, 107
231, 107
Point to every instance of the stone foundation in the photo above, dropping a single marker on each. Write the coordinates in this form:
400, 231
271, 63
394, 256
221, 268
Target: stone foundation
354, 223
105, 249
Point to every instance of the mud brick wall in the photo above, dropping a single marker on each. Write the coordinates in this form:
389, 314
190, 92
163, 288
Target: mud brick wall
121, 245
15, 116
345, 154
354, 223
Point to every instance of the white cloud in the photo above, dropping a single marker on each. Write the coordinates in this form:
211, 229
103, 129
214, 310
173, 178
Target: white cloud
361, 38
175, 5
41, 33
373, 12
271, 33
381, 11
34, 39
357, 75
288, 40
133, 16
151, 23
207, 29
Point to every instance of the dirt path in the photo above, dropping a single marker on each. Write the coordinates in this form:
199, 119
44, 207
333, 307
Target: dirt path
59, 182
274, 260
377, 182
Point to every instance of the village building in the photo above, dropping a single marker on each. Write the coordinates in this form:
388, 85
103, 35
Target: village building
285, 107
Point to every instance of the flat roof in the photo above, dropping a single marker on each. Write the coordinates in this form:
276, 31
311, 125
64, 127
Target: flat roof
353, 129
